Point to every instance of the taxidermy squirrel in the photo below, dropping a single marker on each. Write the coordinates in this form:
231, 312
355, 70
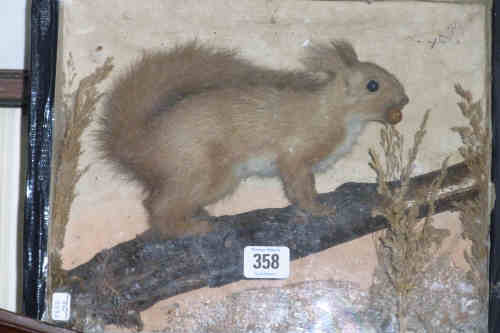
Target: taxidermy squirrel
192, 122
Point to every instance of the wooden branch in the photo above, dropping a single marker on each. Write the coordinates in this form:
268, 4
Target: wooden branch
12, 87
120, 282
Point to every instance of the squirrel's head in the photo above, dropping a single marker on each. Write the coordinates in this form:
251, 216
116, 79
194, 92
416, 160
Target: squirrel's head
364, 88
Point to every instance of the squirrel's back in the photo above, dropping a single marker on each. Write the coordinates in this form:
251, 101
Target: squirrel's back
160, 79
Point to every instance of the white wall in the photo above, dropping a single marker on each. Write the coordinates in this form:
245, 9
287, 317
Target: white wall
12, 38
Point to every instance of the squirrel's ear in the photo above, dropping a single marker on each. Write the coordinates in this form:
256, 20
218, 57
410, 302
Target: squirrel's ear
329, 58
346, 52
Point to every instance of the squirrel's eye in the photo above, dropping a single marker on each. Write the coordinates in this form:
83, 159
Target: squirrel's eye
372, 85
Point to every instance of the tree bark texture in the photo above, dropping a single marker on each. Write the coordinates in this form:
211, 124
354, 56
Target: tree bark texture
120, 282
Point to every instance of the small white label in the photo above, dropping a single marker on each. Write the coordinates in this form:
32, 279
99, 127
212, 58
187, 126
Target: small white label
61, 306
266, 262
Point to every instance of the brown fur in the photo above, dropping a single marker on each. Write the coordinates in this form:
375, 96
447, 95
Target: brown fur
191, 122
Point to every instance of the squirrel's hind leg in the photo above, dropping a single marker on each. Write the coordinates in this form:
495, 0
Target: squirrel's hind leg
177, 209
171, 215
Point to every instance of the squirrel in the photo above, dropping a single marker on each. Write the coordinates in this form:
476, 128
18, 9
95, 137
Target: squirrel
191, 122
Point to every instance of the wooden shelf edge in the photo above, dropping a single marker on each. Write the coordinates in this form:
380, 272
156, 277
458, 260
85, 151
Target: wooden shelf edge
12, 322
13, 87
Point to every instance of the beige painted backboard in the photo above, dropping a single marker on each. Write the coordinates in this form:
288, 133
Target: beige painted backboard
187, 130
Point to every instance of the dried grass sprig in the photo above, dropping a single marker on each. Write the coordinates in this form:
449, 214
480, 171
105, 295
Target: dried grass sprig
78, 107
405, 248
474, 215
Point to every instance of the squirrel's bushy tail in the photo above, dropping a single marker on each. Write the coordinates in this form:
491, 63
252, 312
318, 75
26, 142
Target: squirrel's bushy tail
154, 84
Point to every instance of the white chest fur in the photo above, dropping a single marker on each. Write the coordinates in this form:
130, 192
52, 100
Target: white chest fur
262, 166
354, 126
266, 166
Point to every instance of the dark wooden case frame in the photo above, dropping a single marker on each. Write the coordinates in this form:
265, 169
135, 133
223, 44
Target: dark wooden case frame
43, 25
494, 306
39, 106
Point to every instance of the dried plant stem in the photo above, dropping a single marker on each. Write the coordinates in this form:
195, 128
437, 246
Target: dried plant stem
78, 108
474, 215
403, 311
405, 249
